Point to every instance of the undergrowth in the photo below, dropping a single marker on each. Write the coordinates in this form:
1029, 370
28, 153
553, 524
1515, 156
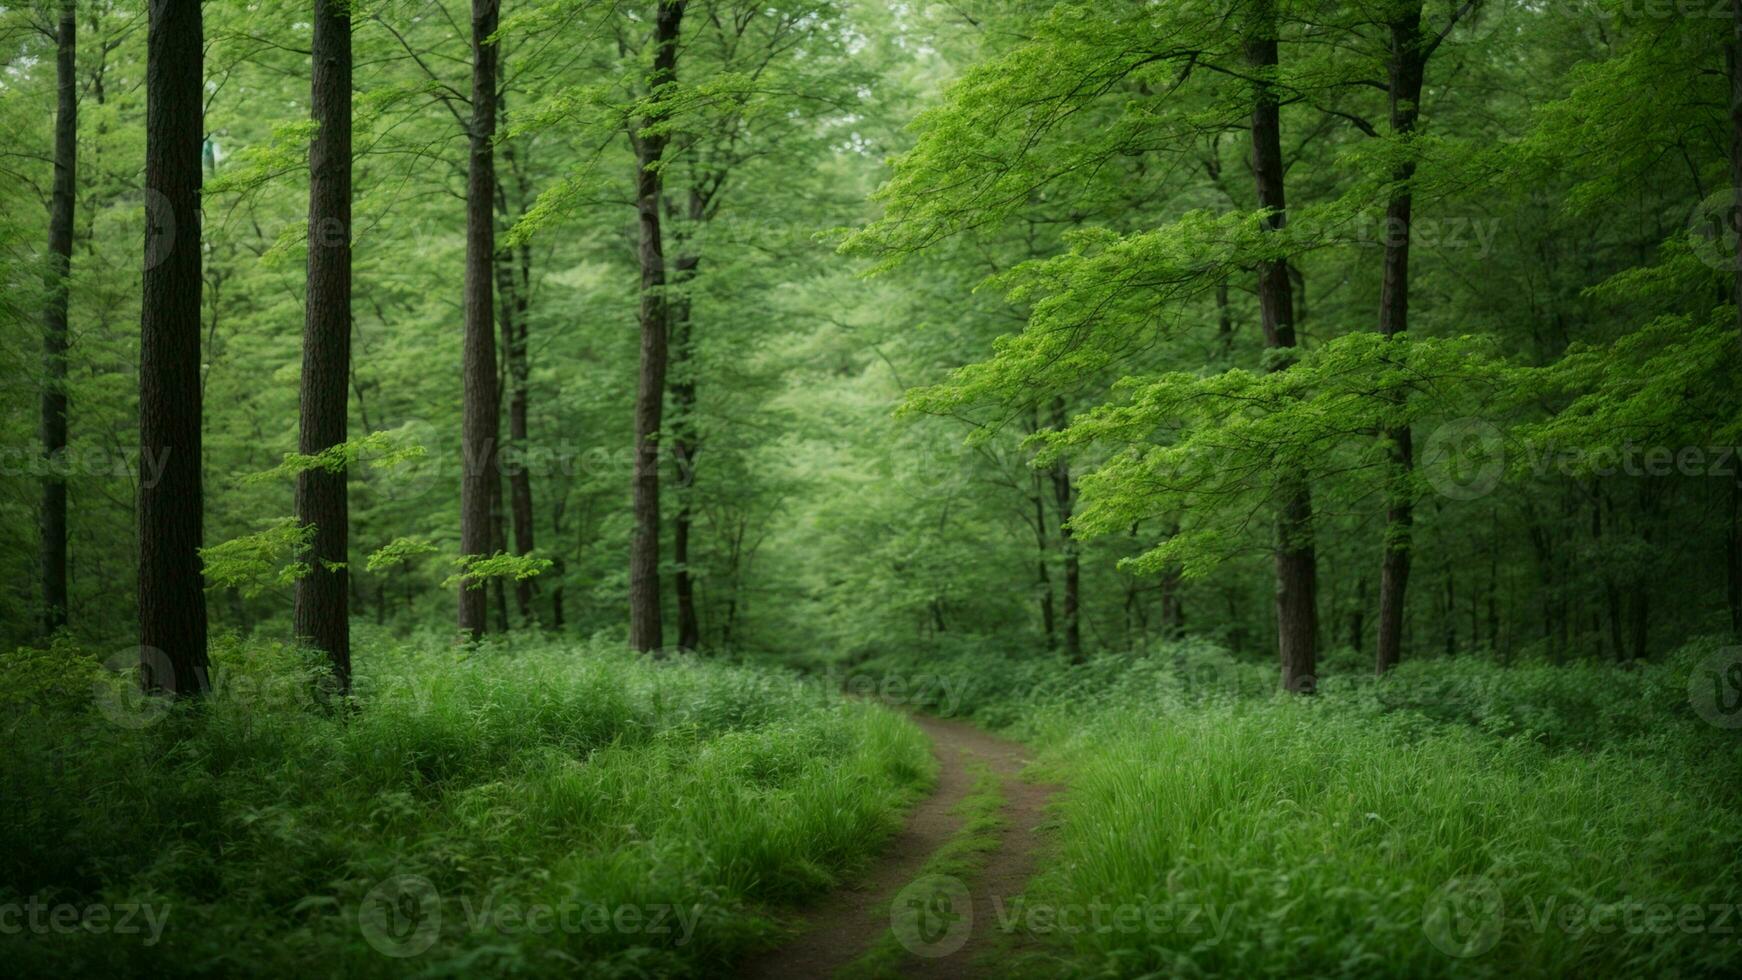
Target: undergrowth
520, 806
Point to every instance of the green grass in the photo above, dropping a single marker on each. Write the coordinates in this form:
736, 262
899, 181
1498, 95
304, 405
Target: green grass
959, 858
566, 805
1456, 819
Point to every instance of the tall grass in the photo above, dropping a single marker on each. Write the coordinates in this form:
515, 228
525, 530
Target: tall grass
1454, 819
552, 802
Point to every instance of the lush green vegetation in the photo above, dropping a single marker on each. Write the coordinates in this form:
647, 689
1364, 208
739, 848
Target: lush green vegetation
540, 789
492, 457
1451, 819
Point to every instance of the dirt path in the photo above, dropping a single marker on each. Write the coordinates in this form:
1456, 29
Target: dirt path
847, 922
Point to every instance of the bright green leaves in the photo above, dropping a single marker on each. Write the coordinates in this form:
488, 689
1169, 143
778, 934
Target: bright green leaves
254, 563
476, 570
1216, 451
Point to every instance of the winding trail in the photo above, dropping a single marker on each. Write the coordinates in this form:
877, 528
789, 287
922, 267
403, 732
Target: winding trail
847, 922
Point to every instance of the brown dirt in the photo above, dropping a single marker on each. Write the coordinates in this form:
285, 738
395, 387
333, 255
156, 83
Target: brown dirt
843, 925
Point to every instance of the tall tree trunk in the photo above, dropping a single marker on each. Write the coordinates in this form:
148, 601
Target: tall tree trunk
644, 605
322, 616
498, 545
1406, 70
1043, 579
514, 302
54, 326
684, 444
1296, 564
1064, 497
479, 426
172, 595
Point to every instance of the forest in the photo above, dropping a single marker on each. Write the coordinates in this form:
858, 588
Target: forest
871, 488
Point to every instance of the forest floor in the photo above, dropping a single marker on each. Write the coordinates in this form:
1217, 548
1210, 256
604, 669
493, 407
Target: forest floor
933, 904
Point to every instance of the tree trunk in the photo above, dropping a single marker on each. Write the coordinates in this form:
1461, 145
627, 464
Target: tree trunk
644, 605
1063, 496
1296, 565
1406, 70
1043, 579
322, 612
514, 302
54, 326
478, 432
683, 427
172, 596
498, 545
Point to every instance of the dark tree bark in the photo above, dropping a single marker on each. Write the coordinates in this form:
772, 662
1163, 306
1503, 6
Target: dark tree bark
54, 325
644, 604
514, 283
1408, 60
1064, 496
1042, 578
322, 616
172, 595
684, 444
498, 545
1296, 563
479, 426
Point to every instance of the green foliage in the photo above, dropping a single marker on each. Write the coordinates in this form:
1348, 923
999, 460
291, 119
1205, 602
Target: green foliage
519, 776
254, 563
1260, 834
476, 571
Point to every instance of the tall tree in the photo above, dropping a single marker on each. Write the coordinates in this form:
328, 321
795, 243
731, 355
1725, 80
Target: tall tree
54, 324
683, 429
649, 142
172, 598
1064, 497
1404, 70
479, 484
514, 286
1296, 563
322, 616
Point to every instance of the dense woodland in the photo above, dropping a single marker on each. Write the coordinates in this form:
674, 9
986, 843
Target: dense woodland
1221, 396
